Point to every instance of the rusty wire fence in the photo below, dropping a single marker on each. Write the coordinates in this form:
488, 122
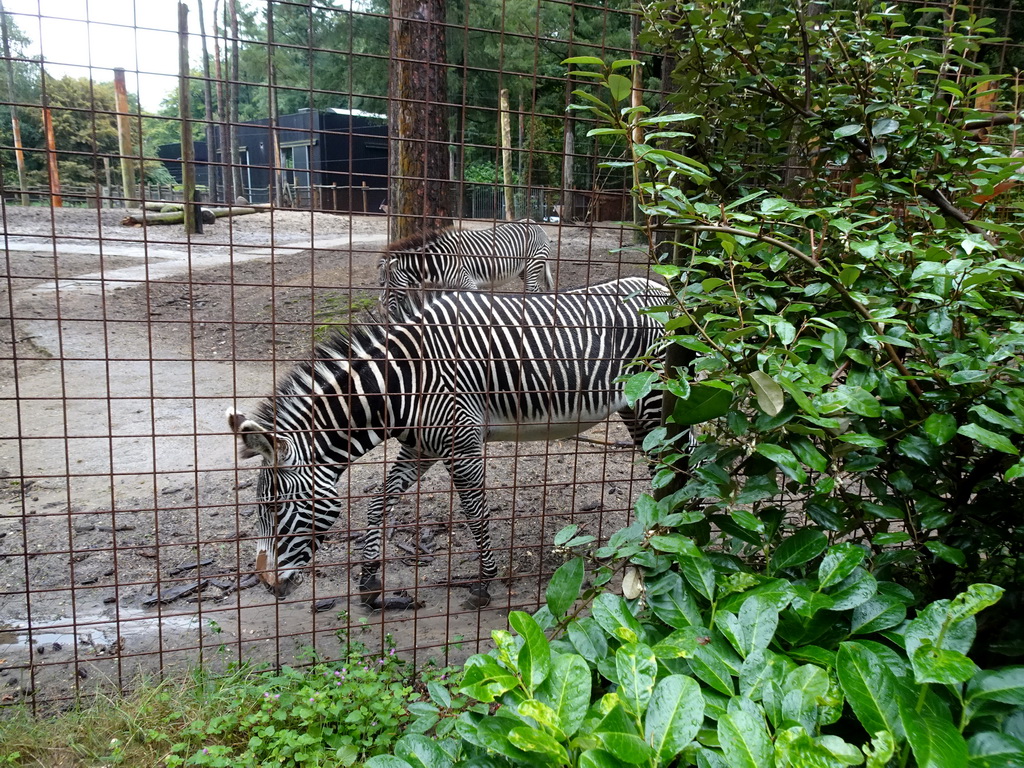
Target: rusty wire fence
127, 527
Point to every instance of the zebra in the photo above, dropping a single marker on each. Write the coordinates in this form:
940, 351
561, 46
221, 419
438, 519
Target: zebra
469, 368
463, 259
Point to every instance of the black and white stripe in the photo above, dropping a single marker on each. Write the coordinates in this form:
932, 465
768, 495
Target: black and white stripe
469, 368
463, 259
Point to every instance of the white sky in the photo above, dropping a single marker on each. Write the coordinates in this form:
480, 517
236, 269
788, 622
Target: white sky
88, 38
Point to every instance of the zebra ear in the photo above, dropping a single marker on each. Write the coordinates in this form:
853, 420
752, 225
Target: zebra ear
255, 440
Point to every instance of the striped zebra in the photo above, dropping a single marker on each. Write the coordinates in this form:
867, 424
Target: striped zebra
463, 260
470, 368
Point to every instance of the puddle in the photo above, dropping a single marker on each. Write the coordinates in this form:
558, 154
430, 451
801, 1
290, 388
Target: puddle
91, 629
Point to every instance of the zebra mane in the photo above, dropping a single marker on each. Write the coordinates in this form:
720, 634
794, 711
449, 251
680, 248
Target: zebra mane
349, 344
417, 241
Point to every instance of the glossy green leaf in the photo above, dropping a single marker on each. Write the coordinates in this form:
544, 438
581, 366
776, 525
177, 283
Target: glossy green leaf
598, 758
973, 600
884, 126
588, 638
935, 741
636, 669
847, 130
856, 589
421, 752
699, 573
804, 545
564, 587
538, 742
620, 87
988, 438
870, 688
639, 385
672, 602
674, 715
770, 397
1005, 685
784, 459
567, 691
625, 746
759, 619
704, 404
745, 741
535, 655
939, 665
839, 562
710, 665
387, 761
485, 680
876, 614
995, 750
615, 618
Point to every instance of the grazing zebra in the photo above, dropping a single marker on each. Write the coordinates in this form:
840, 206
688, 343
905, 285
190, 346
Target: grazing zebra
472, 367
464, 259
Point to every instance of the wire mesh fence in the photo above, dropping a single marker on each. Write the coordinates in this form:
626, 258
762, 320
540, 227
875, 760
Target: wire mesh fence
128, 531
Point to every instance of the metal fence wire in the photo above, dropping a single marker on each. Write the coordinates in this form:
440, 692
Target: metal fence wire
127, 522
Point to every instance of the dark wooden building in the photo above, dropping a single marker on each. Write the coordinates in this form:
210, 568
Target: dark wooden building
329, 159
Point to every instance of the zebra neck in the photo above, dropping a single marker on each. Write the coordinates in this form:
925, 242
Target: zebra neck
346, 412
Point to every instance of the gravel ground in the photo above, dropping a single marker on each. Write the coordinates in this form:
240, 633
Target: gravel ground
125, 519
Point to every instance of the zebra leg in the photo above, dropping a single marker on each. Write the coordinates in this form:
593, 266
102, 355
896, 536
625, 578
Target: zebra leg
468, 477
538, 276
642, 419
407, 469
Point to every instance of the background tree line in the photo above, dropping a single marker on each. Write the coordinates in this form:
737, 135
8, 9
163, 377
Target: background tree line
264, 59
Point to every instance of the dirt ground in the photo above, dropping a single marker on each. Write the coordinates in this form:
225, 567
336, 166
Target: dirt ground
125, 519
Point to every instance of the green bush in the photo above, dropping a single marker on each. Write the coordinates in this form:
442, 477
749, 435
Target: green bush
847, 335
809, 664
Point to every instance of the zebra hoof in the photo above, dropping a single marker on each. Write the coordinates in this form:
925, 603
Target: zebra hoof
369, 590
479, 597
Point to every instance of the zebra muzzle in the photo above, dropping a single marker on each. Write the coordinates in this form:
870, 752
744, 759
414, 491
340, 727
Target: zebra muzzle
269, 576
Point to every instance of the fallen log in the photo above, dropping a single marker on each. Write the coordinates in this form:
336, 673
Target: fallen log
177, 217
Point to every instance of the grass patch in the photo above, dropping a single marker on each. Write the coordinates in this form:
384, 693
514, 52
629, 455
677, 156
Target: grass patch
338, 310
331, 713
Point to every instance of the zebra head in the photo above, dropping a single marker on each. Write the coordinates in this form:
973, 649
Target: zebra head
296, 503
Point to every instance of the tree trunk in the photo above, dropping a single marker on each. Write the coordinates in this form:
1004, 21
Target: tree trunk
565, 210
124, 139
419, 197
188, 147
506, 154
236, 171
209, 215
223, 133
275, 147
211, 150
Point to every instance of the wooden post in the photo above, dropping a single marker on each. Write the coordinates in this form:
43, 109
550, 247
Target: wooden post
107, 203
124, 137
51, 160
506, 154
188, 151
19, 154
